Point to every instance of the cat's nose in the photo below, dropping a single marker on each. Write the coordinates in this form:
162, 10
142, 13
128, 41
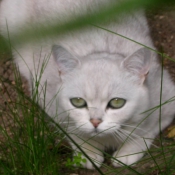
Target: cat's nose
95, 122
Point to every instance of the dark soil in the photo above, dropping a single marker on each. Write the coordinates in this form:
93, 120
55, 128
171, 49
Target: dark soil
163, 34
162, 25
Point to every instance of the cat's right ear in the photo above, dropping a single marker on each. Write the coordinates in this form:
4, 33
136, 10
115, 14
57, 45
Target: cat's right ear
65, 61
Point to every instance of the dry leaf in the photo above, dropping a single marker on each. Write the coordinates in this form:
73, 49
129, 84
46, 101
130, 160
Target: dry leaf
171, 132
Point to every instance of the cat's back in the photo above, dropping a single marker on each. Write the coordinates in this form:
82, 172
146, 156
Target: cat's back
133, 26
18, 13
23, 11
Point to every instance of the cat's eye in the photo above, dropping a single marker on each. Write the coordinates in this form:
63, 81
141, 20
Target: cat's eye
116, 103
78, 102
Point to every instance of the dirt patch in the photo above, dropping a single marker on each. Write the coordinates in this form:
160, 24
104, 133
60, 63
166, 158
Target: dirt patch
163, 33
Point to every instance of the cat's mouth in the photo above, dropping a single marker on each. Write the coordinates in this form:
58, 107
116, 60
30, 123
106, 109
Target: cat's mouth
96, 130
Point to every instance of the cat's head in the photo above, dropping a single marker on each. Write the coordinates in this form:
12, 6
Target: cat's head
102, 92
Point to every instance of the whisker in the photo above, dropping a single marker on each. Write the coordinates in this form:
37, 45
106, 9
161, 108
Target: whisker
131, 126
130, 133
131, 139
119, 137
135, 127
137, 136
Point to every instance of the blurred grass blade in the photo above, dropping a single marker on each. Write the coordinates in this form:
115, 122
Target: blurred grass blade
103, 14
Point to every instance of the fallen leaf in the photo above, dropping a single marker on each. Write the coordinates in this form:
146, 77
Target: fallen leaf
171, 133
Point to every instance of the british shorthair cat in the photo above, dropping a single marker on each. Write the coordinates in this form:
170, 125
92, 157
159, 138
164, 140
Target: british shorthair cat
98, 85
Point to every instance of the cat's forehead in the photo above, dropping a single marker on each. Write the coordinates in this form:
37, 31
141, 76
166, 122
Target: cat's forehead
98, 79
103, 82
100, 67
101, 64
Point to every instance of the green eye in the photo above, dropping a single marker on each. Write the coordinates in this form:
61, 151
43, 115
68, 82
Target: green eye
116, 103
78, 102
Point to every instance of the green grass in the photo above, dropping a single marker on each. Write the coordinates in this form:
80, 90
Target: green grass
37, 144
31, 149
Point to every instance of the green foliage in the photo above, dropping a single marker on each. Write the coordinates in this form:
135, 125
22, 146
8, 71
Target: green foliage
77, 161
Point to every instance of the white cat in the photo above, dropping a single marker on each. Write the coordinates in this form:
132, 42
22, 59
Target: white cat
98, 84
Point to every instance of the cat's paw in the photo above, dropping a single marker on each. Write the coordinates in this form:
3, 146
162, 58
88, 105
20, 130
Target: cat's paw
125, 158
86, 163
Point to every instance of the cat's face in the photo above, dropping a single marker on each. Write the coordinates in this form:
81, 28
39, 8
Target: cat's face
100, 96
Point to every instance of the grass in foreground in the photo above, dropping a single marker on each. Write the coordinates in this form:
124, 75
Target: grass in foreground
31, 145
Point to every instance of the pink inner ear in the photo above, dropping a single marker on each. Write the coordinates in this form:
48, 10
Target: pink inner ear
143, 74
144, 71
59, 72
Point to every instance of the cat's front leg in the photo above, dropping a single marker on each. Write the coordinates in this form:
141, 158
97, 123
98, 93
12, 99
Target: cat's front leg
130, 152
92, 150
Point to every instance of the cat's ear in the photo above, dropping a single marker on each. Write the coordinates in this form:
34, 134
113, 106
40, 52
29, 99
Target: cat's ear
139, 63
65, 61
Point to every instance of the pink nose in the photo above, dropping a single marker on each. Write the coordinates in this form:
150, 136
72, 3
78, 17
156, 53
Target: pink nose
95, 122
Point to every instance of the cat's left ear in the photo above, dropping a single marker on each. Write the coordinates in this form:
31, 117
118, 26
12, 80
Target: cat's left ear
65, 61
139, 63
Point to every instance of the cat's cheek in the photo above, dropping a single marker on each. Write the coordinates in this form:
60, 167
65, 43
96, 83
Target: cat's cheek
115, 117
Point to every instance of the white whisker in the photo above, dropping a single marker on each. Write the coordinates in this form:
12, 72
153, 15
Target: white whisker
131, 139
119, 135
137, 136
130, 126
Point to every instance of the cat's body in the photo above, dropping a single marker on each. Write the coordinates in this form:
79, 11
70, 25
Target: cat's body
98, 67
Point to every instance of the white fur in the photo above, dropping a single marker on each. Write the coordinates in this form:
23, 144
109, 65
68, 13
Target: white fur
97, 66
